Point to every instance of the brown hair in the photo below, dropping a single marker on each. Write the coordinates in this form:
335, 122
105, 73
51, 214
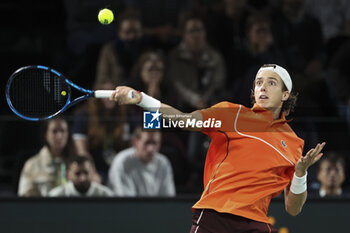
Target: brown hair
100, 125
146, 56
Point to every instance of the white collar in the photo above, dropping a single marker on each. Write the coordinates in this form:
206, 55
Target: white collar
74, 192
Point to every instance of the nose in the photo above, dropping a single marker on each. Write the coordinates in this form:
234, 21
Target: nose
263, 87
150, 148
83, 178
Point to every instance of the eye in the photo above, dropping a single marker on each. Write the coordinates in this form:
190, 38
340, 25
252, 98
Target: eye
258, 83
272, 83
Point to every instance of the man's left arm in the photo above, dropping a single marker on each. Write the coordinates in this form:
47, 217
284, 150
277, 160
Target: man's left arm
295, 194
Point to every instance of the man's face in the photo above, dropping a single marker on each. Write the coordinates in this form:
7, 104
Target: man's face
80, 175
268, 90
194, 35
57, 134
130, 30
147, 145
331, 175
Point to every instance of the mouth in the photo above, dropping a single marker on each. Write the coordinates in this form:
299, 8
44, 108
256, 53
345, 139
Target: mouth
263, 97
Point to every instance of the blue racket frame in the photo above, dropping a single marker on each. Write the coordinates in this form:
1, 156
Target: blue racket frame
69, 103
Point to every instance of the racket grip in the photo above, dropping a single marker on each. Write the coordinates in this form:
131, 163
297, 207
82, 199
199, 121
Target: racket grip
103, 93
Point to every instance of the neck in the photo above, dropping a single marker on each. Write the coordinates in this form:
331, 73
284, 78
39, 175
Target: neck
56, 153
276, 114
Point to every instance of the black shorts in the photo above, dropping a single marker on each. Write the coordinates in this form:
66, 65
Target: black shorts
210, 221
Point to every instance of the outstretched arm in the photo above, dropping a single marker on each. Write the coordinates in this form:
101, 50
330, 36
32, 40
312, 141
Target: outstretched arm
295, 194
127, 95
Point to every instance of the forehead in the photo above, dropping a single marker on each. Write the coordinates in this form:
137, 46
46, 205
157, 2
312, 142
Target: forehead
194, 23
54, 124
75, 166
325, 163
127, 23
150, 135
153, 62
266, 74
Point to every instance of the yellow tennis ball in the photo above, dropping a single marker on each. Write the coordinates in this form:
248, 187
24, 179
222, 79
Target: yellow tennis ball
64, 93
105, 16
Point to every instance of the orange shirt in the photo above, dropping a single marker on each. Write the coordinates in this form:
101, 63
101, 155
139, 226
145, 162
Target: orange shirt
251, 159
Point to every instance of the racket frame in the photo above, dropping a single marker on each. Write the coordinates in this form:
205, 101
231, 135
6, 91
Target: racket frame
69, 103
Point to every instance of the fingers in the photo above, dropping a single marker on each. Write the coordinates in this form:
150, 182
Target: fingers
314, 154
114, 96
125, 95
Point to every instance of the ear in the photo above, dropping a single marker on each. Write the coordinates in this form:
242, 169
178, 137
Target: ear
285, 95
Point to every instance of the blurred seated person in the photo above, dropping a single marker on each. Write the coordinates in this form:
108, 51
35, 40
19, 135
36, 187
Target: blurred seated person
141, 170
331, 175
259, 48
300, 36
160, 17
148, 76
118, 56
47, 169
334, 16
80, 183
99, 130
196, 70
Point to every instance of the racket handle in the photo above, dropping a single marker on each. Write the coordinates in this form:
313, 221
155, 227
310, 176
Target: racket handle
103, 93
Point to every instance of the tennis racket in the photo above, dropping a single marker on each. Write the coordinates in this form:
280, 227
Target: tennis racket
39, 93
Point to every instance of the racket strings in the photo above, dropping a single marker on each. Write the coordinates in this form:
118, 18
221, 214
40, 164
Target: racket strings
38, 93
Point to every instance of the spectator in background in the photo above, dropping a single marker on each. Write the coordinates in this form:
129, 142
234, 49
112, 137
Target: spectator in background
148, 76
99, 130
338, 80
225, 26
141, 170
259, 48
160, 17
80, 183
196, 70
333, 15
118, 56
301, 39
47, 169
331, 175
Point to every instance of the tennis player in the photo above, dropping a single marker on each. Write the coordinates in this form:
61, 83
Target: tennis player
253, 156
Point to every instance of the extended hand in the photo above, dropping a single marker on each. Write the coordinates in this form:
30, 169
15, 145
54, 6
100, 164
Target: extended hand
311, 157
125, 95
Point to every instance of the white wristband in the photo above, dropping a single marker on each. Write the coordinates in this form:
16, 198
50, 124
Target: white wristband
298, 185
149, 103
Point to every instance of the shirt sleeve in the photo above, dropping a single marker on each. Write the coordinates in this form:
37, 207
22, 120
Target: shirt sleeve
221, 114
26, 186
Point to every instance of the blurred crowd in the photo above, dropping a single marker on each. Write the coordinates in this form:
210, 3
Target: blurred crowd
189, 54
